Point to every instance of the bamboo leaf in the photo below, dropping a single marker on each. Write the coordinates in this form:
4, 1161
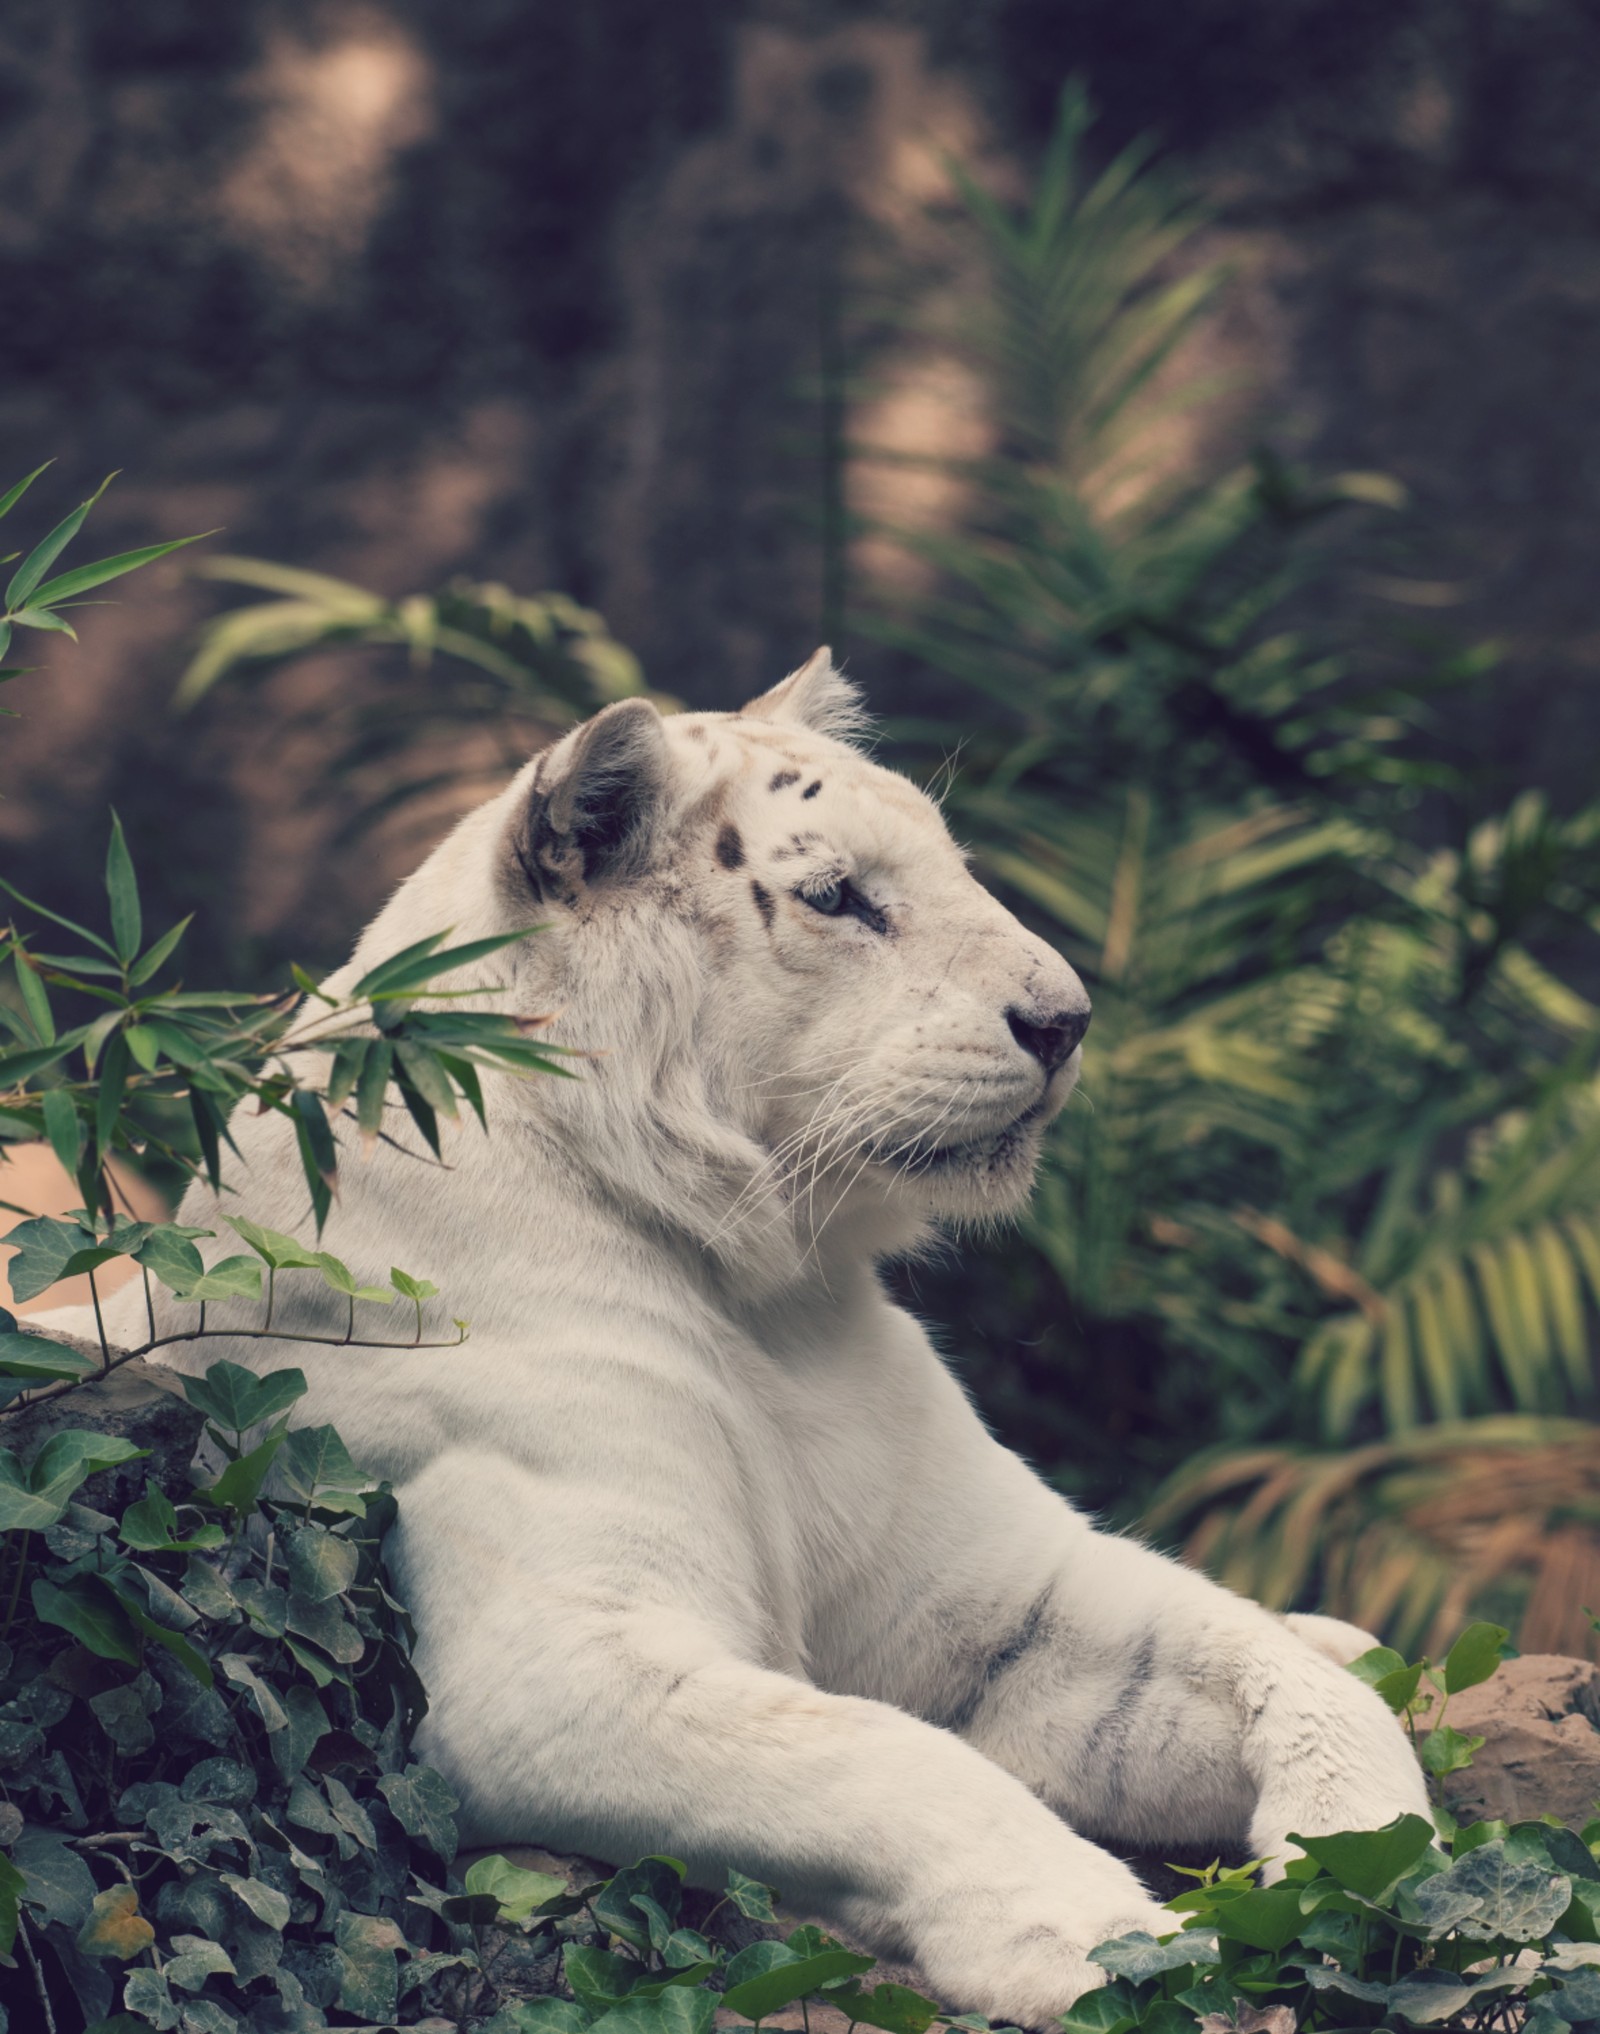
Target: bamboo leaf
123, 890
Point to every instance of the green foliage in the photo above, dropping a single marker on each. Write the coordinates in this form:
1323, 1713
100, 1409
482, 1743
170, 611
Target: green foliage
475, 659
1334, 1173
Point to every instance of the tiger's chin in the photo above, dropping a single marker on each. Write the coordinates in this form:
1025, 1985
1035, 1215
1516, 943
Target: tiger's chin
982, 1179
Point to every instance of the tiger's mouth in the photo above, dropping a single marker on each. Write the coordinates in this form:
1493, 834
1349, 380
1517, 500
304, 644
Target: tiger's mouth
990, 1152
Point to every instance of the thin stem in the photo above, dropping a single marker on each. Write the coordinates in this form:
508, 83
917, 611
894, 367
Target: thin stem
149, 1300
16, 1582
100, 1327
38, 1975
272, 1275
34, 1398
350, 1331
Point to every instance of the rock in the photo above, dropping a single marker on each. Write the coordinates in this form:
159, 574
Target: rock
140, 1402
1539, 1718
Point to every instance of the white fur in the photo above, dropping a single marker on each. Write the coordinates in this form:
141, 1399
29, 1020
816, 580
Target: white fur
707, 1552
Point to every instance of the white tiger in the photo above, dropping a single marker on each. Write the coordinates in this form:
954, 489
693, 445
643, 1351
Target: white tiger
707, 1552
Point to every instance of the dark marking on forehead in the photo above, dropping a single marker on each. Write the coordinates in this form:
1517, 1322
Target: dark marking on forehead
764, 904
696, 733
799, 844
812, 789
730, 848
783, 778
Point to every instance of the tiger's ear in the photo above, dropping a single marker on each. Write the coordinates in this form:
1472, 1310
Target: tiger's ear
817, 696
596, 801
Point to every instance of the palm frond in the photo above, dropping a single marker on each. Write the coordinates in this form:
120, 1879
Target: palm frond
1495, 1517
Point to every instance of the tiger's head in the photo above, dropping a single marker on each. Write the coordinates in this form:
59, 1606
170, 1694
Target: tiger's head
806, 1015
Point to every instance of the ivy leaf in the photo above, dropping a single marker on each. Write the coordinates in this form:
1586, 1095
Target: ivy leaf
1473, 1657
1426, 1997
1445, 1750
768, 1990
11, 1885
171, 1256
115, 1927
237, 1399
265, 1902
752, 1899
239, 1485
36, 1359
369, 1982
895, 2008
88, 1609
232, 1278
516, 1892
150, 1526
424, 1807
321, 1563
1370, 1862
1140, 1955
282, 1252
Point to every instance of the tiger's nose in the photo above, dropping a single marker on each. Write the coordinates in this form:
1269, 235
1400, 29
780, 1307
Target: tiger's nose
1052, 1040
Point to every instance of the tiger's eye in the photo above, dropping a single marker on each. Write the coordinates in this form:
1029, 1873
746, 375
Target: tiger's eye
831, 901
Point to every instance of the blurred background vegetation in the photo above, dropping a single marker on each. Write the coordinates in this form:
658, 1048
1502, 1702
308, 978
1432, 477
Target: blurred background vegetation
1277, 744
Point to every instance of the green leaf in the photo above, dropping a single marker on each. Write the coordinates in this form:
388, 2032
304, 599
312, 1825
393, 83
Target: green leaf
424, 1807
416, 965
767, 1991
45, 553
317, 1459
321, 1564
239, 1485
600, 1980
265, 1902
13, 495
1140, 1955
87, 1609
44, 1247
1103, 2012
420, 1289
282, 1252
11, 1885
1370, 1862
155, 957
37, 1499
1426, 1997
34, 997
659, 1879
1268, 1918
37, 1359
42, 618
516, 1893
673, 2010
751, 1898
540, 2016
84, 578
1445, 1750
896, 2008
113, 1081
169, 1254
1381, 1663
61, 1127
150, 1526
1474, 1656
237, 1399
229, 1278
122, 888
373, 1087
